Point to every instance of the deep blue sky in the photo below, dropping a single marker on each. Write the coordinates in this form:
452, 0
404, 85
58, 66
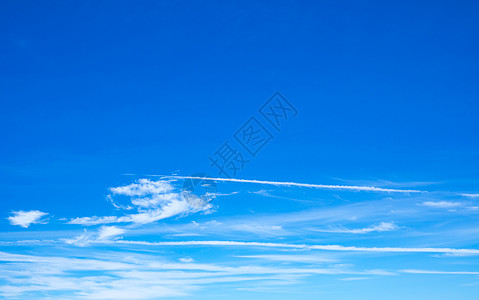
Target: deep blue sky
100, 88
386, 92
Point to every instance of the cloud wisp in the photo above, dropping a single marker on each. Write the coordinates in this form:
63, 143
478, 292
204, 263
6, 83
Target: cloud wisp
107, 232
152, 200
103, 234
442, 204
381, 227
470, 195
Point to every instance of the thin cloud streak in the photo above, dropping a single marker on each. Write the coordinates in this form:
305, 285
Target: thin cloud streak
318, 186
442, 204
381, 227
470, 195
304, 246
439, 272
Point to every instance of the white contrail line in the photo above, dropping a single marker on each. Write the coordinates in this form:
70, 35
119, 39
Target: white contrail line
303, 246
309, 185
439, 272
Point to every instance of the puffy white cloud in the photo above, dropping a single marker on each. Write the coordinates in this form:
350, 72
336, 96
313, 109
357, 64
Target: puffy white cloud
25, 218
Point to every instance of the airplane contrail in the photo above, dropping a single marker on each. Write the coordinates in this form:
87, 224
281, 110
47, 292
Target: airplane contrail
308, 185
465, 251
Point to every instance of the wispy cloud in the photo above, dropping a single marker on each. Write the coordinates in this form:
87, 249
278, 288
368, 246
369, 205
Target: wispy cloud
186, 260
315, 259
103, 234
107, 232
258, 228
152, 200
170, 209
442, 204
144, 187
26, 218
470, 195
381, 227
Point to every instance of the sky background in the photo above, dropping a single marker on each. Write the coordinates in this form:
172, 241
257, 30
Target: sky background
106, 107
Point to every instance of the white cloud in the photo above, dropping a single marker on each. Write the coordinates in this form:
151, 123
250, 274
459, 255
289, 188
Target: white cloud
25, 218
442, 204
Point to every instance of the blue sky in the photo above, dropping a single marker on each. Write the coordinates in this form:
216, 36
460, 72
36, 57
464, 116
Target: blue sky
364, 185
